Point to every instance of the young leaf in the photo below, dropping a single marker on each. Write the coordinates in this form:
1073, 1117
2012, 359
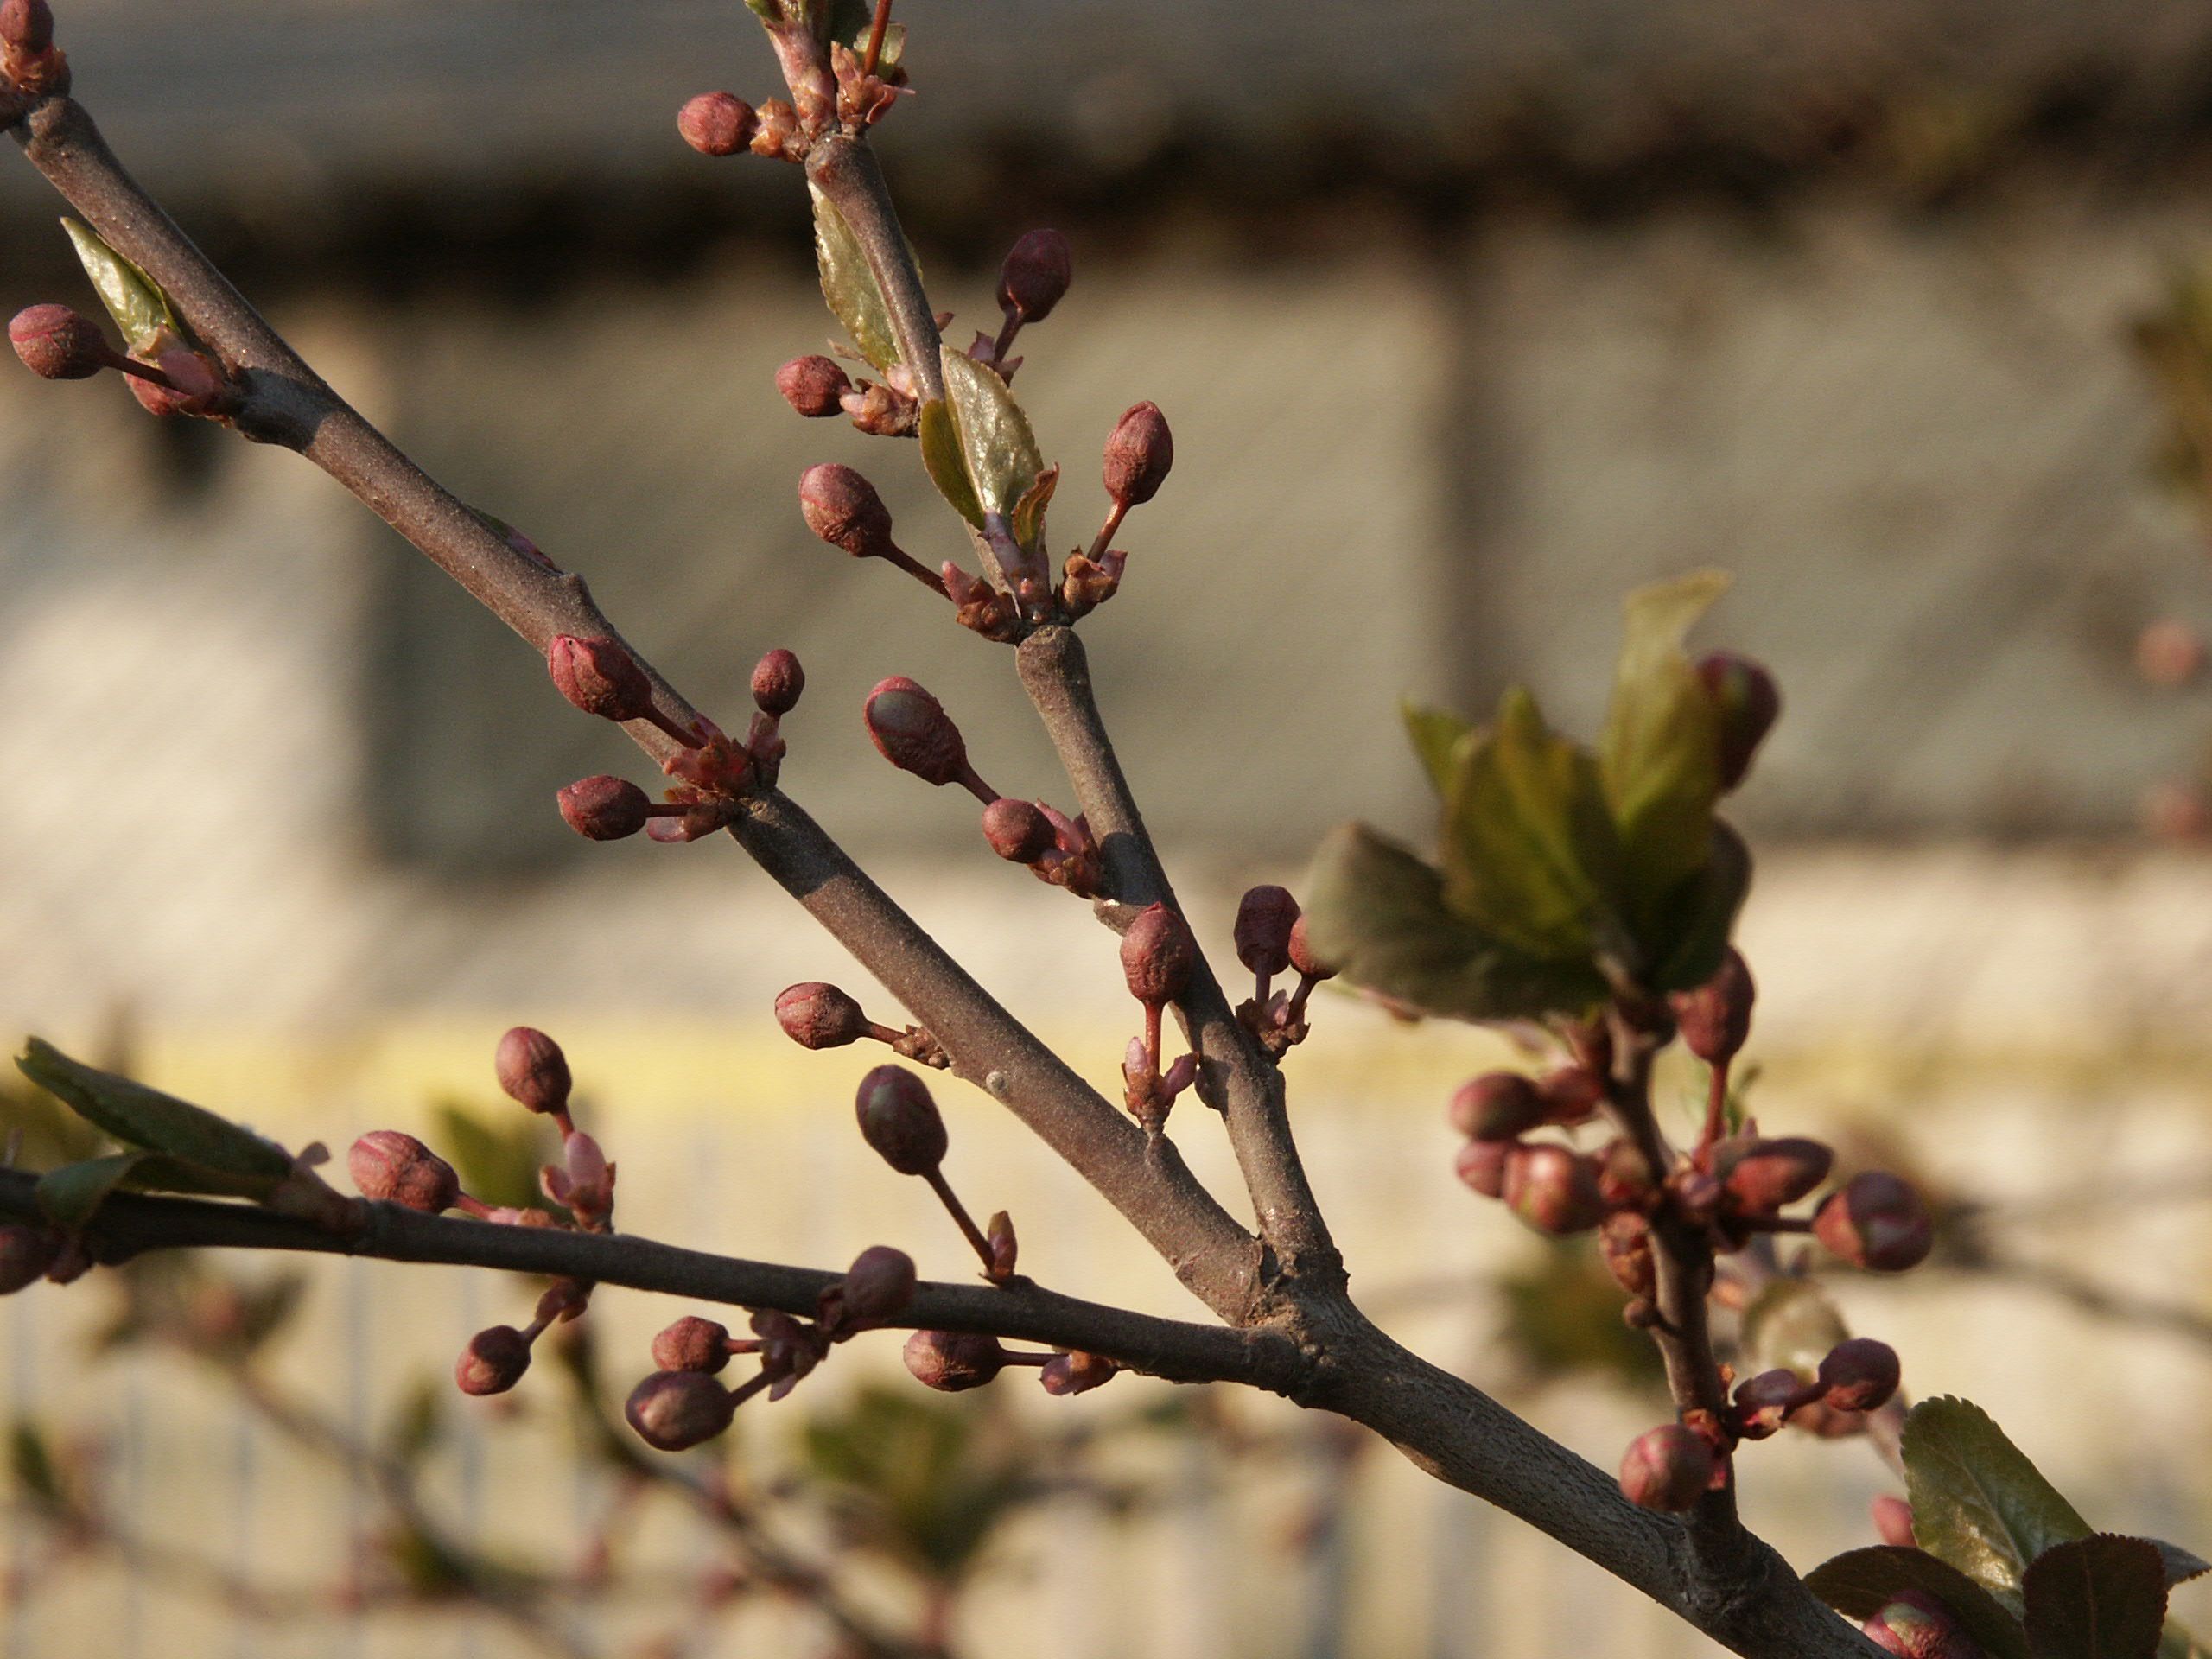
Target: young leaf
1689, 936
1790, 1323
72, 1194
2181, 1565
1435, 733
141, 310
947, 465
2097, 1598
1859, 1583
1002, 462
849, 285
1977, 1501
1029, 512
144, 1117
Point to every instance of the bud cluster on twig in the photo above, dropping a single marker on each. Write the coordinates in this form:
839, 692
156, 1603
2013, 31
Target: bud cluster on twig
1270, 938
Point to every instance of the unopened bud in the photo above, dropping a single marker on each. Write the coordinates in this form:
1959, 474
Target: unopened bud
1715, 1018
954, 1361
1859, 1375
911, 729
1764, 1175
877, 1287
58, 343
692, 1345
1892, 1518
195, 387
1077, 1373
1765, 1401
1918, 1627
1302, 957
1624, 1242
25, 26
493, 1362
815, 386
1035, 276
1670, 1468
673, 1411
1018, 831
1748, 702
1553, 1190
1877, 1222
1138, 455
532, 1069
604, 807
1496, 1106
26, 1252
599, 676
1265, 918
815, 1015
1481, 1165
389, 1167
1571, 1094
778, 681
843, 509
1624, 1173
1158, 955
899, 1120
717, 123
1006, 1249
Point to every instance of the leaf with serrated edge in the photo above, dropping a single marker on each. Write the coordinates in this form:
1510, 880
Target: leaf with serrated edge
849, 285
1977, 1501
1859, 1583
1434, 733
2097, 1598
947, 467
141, 310
147, 1118
2182, 1564
1003, 462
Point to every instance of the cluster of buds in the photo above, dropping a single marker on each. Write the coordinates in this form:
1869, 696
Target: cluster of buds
844, 510
818, 387
953, 1361
1270, 939
817, 1015
1158, 956
30, 60
1059, 850
1139, 454
867, 86
900, 1121
56, 343
723, 123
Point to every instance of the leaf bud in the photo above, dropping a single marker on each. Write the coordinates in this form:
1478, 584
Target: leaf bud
876, 1288
692, 1345
815, 1015
389, 1168
1301, 955
1859, 1374
843, 509
1005, 1248
1553, 1190
1877, 1222
604, 807
493, 1362
532, 1069
1265, 918
1762, 1176
1892, 1518
1496, 1106
911, 729
1158, 955
1624, 1242
1481, 1165
26, 1252
1018, 831
778, 681
1035, 276
25, 26
1744, 694
899, 1120
814, 385
717, 123
1715, 1018
58, 343
1138, 455
1077, 1373
1670, 1468
673, 1411
599, 676
1918, 1627
952, 1361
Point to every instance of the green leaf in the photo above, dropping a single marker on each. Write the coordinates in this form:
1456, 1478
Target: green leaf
1689, 936
948, 466
1977, 1501
1660, 754
1435, 733
132, 298
2097, 1598
1790, 1325
72, 1194
497, 1160
1529, 853
1861, 1582
1029, 512
1378, 913
140, 1117
2182, 1564
849, 285
32, 1467
1002, 460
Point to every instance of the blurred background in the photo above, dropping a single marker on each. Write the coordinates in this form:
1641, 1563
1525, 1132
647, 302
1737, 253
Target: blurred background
1467, 319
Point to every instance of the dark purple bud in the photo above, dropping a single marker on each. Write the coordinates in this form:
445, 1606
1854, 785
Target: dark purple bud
599, 676
777, 681
1077, 1373
394, 1168
1138, 455
1877, 1222
1496, 1106
692, 1345
1859, 1375
1035, 276
1006, 1248
25, 26
1716, 1017
1571, 1094
1481, 1165
899, 1120
58, 343
1748, 702
815, 1015
604, 807
815, 386
1892, 1518
1762, 1176
1157, 956
717, 123
1302, 957
1670, 1468
493, 1362
911, 729
1918, 1627
843, 509
1265, 918
877, 1287
1766, 1400
1018, 832
1553, 1190
26, 1252
673, 1411
954, 1361
532, 1069
1624, 1242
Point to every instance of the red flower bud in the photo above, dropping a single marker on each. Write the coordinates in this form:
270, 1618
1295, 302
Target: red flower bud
1496, 1106
1553, 1190
815, 1015
1893, 1520
911, 729
815, 386
1481, 1165
1571, 1094
673, 1411
532, 1069
1302, 957
777, 681
876, 1288
1716, 1017
1035, 276
26, 26
599, 676
493, 1362
717, 123
604, 807
1859, 1375
843, 509
26, 1252
1158, 955
1077, 1373
1766, 1400
395, 1168
692, 1345
1761, 1176
1748, 702
58, 343
899, 1120
1877, 1222
1918, 1627
1670, 1468
1138, 455
1265, 918
1018, 831
954, 1361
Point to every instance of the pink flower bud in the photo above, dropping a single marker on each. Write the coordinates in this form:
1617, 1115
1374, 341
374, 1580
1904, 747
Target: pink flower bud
1748, 702
493, 1362
815, 1015
1006, 1249
952, 1361
843, 509
911, 729
1077, 1373
532, 1069
717, 123
1571, 1094
1138, 456
899, 1120
815, 386
58, 343
673, 1411
389, 1168
26, 1252
1892, 1518
1859, 1375
25, 26
1265, 918
1553, 1190
599, 676
1481, 1165
1918, 1627
876, 1288
1761, 1176
1716, 1017
604, 807
195, 386
1018, 832
1158, 955
1877, 1222
692, 1345
778, 680
1302, 957
1035, 276
1670, 1468
591, 1178
1496, 1106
